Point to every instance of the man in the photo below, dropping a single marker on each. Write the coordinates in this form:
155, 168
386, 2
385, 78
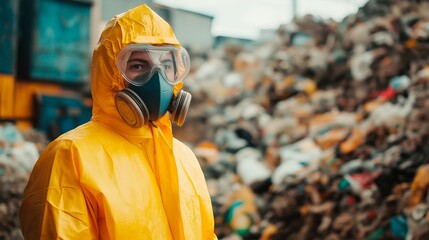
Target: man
123, 175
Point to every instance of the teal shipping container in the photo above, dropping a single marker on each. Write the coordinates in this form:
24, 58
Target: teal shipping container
57, 114
54, 40
8, 35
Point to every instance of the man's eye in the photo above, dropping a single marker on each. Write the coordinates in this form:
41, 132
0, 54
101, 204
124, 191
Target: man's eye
168, 66
136, 67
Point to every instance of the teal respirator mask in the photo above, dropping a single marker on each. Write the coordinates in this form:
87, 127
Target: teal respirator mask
151, 73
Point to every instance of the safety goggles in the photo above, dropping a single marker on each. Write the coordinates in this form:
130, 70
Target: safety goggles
139, 62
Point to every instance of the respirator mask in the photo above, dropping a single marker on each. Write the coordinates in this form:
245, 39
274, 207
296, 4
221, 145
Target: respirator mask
151, 73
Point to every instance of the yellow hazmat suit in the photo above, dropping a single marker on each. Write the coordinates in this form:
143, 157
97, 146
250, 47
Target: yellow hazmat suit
107, 180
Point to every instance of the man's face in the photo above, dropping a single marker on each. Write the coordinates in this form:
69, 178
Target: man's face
141, 63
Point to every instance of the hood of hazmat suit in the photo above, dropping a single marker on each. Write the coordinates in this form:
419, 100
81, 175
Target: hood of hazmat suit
107, 180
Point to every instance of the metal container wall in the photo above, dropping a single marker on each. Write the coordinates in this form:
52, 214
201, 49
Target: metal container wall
54, 40
57, 114
8, 35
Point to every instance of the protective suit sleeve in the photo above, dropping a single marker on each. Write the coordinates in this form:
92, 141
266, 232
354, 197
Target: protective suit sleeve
53, 205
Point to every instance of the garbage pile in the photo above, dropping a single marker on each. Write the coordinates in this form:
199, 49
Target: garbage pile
321, 133
18, 154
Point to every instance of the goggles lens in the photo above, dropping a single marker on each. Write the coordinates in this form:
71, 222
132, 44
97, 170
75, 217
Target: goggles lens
138, 63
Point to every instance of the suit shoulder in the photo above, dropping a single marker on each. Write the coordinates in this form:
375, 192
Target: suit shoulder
183, 153
180, 146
